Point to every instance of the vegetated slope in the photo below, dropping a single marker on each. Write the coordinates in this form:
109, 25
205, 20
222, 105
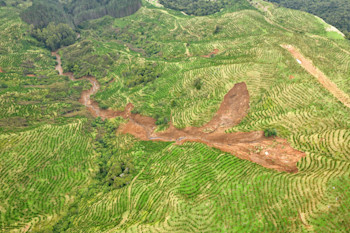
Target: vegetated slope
83, 10
234, 107
329, 85
41, 13
203, 7
30, 92
335, 12
174, 92
196, 188
41, 171
53, 20
45, 156
190, 187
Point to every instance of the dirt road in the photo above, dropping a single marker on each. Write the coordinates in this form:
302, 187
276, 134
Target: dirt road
321, 77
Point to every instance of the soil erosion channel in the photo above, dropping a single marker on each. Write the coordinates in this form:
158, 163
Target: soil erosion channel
274, 153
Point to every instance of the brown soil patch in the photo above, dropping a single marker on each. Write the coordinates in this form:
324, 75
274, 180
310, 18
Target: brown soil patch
274, 153
1, 70
215, 51
233, 109
291, 77
321, 77
31, 75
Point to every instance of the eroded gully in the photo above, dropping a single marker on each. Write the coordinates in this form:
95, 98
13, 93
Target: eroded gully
274, 153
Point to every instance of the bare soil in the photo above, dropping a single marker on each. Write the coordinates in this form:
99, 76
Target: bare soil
321, 77
1, 70
215, 51
274, 153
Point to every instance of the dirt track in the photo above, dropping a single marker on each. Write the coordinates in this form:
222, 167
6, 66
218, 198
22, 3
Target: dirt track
274, 153
321, 77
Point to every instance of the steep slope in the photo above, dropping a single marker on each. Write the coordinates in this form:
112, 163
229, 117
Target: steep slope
41, 13
329, 85
193, 187
203, 7
44, 156
335, 12
61, 170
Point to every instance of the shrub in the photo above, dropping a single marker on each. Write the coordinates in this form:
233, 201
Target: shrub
141, 75
347, 35
4, 85
217, 29
270, 132
198, 83
55, 35
162, 121
103, 106
135, 111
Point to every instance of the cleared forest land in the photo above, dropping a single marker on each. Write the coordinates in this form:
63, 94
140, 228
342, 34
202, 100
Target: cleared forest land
62, 169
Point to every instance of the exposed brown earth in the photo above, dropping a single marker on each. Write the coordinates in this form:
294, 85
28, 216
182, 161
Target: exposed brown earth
215, 51
274, 153
85, 99
31, 75
1, 71
321, 77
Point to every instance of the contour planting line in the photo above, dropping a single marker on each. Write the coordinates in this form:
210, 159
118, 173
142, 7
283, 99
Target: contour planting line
321, 77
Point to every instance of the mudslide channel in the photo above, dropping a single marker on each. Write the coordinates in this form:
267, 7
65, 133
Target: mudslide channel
274, 153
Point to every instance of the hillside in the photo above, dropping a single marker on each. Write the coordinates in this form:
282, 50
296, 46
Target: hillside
42, 12
203, 7
334, 12
164, 122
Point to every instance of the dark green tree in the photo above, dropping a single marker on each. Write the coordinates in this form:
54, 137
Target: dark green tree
54, 36
334, 12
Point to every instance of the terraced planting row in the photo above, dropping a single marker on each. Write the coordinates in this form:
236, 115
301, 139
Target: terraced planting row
305, 118
283, 97
192, 187
195, 188
41, 170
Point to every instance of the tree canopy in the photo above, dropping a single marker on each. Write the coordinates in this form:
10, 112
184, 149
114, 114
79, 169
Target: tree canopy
83, 10
55, 35
42, 12
53, 20
203, 7
335, 12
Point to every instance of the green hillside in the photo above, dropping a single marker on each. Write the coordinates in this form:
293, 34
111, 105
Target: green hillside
204, 7
62, 170
74, 12
335, 12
